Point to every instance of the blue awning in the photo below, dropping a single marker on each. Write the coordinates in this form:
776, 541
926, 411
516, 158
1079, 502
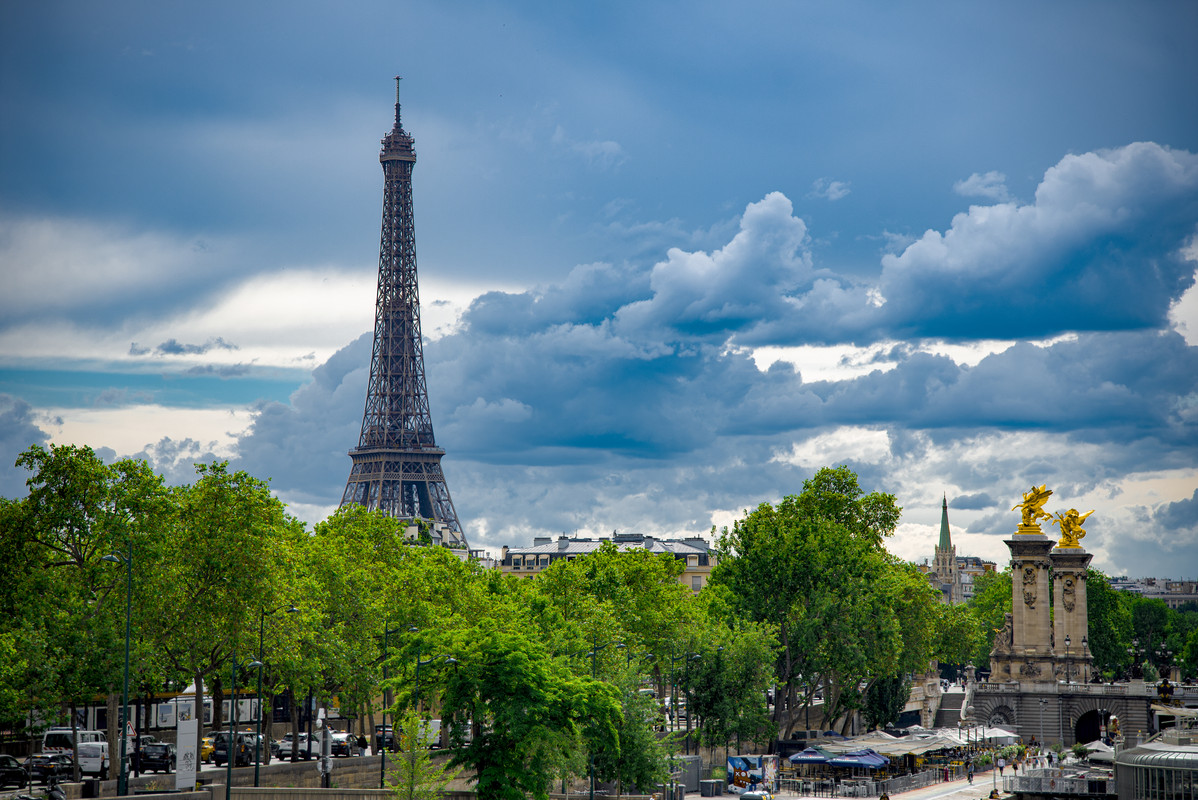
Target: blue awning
867, 759
812, 755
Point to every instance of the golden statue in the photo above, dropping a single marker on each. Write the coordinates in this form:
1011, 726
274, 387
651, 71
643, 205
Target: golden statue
1071, 527
1033, 506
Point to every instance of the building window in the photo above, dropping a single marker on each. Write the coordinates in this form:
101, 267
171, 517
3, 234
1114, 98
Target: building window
696, 582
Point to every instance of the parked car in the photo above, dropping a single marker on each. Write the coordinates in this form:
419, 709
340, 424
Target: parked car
258, 753
206, 748
44, 766
381, 736
11, 772
243, 752
138, 744
343, 744
94, 760
159, 757
304, 747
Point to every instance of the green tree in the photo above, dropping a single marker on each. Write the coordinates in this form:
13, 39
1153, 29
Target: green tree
1110, 626
415, 775
813, 567
885, 699
228, 555
78, 511
990, 604
517, 714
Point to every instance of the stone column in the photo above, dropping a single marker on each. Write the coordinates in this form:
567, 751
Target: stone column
1031, 628
1070, 617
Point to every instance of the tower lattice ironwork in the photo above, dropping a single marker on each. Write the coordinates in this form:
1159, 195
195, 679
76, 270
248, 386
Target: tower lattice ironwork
397, 463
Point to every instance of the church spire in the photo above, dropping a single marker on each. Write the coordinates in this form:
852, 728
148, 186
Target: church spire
945, 543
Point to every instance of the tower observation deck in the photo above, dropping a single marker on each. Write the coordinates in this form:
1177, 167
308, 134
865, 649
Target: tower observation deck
397, 463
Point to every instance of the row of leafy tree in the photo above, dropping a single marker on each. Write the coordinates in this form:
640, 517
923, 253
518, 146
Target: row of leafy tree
543, 679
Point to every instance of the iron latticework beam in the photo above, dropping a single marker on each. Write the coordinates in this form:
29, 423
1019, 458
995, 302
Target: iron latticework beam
397, 464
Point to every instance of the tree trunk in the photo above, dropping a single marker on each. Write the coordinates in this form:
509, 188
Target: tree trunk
218, 703
75, 775
199, 698
267, 714
296, 709
114, 725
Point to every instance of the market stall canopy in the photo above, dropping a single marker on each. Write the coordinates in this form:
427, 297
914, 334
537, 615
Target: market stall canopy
812, 755
866, 758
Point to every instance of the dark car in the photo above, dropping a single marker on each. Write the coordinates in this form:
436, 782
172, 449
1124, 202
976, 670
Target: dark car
381, 736
11, 772
45, 766
243, 750
159, 757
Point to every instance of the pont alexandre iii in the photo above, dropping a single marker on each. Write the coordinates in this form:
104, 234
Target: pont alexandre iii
1042, 684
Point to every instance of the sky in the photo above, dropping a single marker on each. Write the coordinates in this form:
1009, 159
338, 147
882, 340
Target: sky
674, 257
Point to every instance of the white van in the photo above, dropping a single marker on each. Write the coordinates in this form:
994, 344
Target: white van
94, 760
62, 740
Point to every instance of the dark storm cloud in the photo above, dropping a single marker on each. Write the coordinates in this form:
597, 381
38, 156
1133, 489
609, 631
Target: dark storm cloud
1180, 515
18, 431
633, 386
974, 502
220, 370
172, 347
302, 445
1098, 250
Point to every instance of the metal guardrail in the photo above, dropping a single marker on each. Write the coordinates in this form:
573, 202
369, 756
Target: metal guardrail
1056, 784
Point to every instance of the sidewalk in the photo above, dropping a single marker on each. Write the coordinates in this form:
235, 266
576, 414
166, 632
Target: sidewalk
951, 790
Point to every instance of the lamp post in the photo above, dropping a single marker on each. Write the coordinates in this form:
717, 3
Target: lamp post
1043, 703
258, 734
383, 734
231, 750
1135, 651
123, 779
595, 648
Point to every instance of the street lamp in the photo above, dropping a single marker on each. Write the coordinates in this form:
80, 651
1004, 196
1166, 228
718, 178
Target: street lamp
231, 749
595, 648
263, 613
1043, 702
383, 734
123, 779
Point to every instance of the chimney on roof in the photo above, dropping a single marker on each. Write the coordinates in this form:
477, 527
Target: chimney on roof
537, 541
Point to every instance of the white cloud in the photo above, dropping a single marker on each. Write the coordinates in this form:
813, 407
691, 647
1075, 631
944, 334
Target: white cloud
843, 445
131, 429
829, 189
991, 186
603, 153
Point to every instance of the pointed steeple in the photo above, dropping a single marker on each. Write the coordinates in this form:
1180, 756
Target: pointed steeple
945, 542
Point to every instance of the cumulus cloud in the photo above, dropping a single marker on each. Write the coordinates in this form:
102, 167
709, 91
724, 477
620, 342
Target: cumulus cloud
991, 186
1099, 249
829, 189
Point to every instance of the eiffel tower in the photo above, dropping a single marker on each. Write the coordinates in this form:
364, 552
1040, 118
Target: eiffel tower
397, 464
